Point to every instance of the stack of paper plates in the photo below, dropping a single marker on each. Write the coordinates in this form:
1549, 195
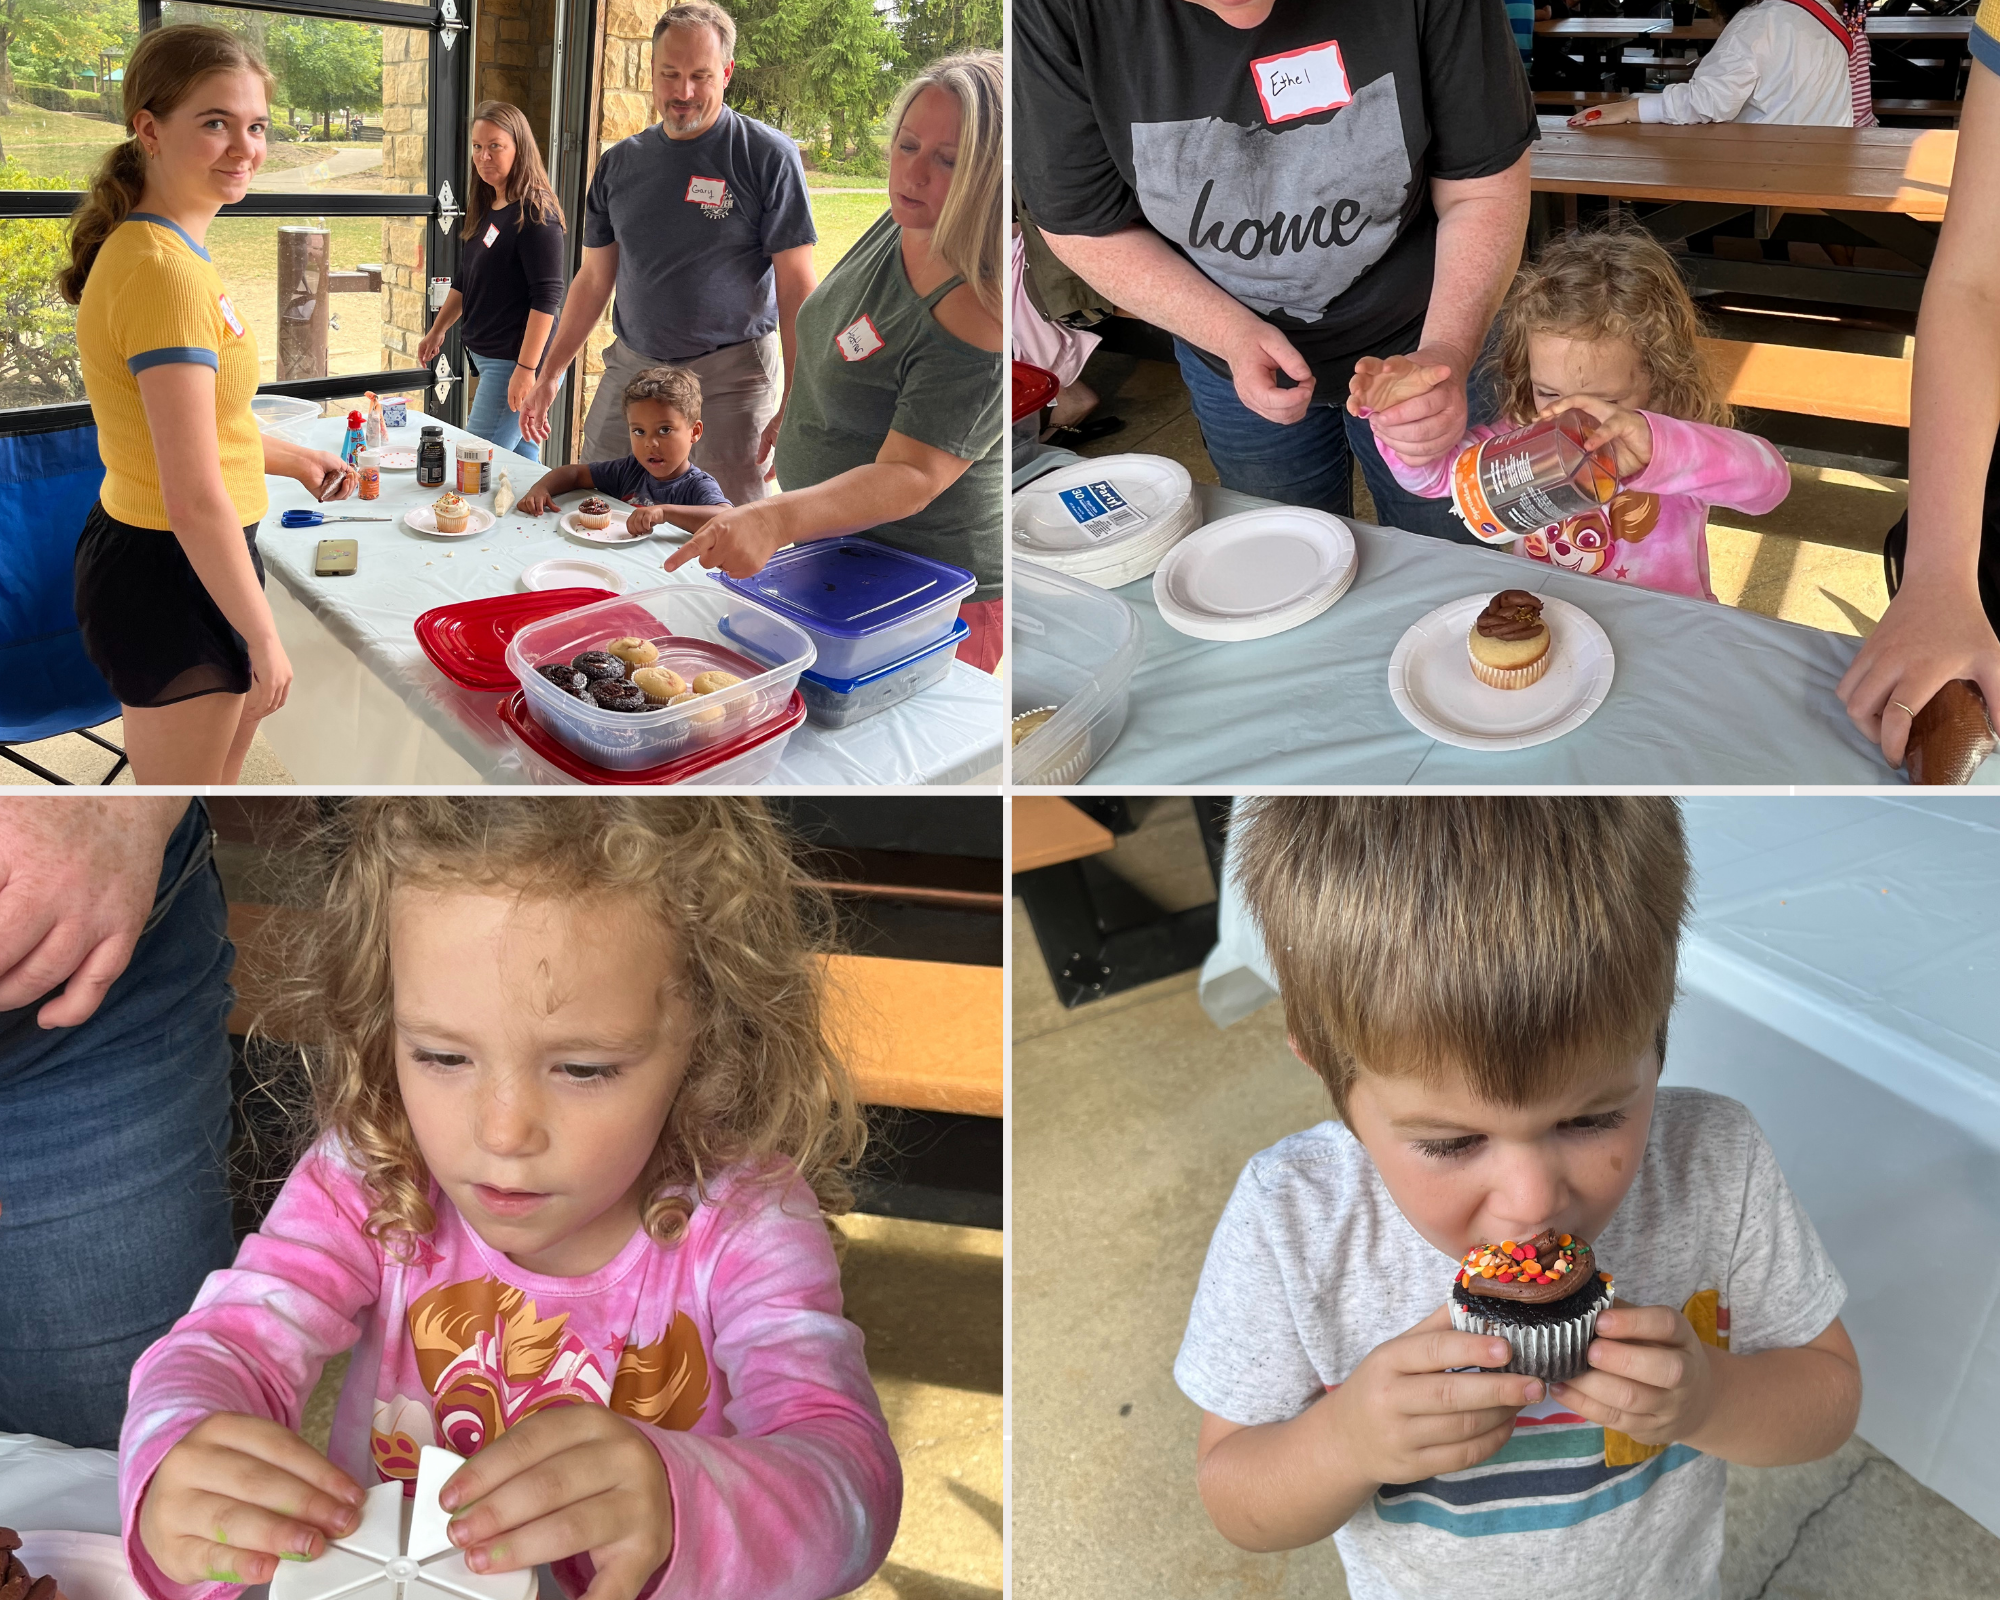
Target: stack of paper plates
1255, 574
1108, 521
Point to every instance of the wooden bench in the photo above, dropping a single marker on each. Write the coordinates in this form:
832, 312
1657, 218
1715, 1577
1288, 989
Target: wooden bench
918, 1035
1049, 830
1827, 383
1574, 99
1929, 110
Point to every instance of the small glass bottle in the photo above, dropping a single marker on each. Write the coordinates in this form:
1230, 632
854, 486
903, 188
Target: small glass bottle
1521, 482
430, 458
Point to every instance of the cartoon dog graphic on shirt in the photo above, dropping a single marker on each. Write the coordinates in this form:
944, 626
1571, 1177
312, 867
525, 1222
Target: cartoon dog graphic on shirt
1583, 543
489, 1360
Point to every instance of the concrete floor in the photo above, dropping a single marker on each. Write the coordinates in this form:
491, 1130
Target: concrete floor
76, 759
1817, 559
1132, 1118
928, 1299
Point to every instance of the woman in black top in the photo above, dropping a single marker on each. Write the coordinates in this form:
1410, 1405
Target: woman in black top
509, 284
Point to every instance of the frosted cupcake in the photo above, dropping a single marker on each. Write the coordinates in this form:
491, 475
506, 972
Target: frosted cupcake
451, 513
1542, 1295
1509, 641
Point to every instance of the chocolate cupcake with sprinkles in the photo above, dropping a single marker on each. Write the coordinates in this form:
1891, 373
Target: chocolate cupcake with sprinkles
1542, 1295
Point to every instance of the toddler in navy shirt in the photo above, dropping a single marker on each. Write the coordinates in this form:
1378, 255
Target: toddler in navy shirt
663, 416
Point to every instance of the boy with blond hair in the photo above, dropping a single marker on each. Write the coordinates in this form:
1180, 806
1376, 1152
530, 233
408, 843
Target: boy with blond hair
1483, 986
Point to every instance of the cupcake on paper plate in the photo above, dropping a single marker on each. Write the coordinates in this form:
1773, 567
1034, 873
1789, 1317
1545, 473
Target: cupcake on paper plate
1542, 1295
1509, 641
593, 512
450, 513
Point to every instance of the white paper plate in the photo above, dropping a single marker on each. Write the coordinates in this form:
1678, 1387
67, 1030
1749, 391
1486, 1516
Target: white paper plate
1043, 527
1255, 574
422, 521
1431, 681
399, 461
568, 572
614, 534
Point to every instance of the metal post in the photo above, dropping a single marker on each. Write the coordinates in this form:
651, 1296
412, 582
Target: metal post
304, 306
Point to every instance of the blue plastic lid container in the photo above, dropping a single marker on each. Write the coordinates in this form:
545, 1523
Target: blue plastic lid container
836, 702
866, 605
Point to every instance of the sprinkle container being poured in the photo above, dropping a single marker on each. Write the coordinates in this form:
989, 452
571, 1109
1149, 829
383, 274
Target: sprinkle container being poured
1521, 482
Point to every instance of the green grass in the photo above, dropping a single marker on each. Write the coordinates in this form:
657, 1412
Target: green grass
841, 219
842, 180
56, 144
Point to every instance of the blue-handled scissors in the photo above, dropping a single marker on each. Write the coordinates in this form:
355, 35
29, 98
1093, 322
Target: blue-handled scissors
312, 519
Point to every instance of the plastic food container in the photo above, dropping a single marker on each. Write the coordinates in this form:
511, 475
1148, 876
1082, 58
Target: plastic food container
1035, 390
749, 758
467, 640
686, 621
835, 702
863, 604
283, 415
1075, 649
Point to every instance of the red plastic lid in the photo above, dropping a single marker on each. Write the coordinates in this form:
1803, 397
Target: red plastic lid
467, 641
514, 714
1034, 387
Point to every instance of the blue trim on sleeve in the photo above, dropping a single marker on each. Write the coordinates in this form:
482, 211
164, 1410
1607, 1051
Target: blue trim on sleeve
148, 216
193, 355
1985, 48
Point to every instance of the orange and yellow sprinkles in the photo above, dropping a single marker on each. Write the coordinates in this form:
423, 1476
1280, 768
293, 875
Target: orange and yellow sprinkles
1545, 1260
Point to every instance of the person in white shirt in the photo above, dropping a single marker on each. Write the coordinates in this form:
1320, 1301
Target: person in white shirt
1776, 61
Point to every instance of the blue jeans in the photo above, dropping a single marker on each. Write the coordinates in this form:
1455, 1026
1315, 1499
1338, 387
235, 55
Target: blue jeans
489, 418
114, 1141
1309, 462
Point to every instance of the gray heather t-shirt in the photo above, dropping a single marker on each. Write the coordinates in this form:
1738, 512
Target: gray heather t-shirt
696, 222
1312, 1266
873, 359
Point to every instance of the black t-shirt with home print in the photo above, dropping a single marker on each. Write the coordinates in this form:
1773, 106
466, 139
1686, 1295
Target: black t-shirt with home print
1290, 162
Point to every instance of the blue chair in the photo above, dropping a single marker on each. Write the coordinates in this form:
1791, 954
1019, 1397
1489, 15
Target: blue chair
48, 482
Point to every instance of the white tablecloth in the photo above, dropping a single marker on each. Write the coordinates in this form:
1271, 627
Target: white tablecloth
367, 706
1838, 979
1702, 694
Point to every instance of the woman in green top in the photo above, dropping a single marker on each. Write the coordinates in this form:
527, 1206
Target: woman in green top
893, 422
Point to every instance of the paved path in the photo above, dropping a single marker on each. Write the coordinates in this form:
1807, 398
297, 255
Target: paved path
340, 164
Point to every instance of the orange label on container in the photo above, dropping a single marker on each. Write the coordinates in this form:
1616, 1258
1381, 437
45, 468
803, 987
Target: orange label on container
1468, 499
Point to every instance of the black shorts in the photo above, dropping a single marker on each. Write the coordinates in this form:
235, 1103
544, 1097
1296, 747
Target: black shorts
147, 623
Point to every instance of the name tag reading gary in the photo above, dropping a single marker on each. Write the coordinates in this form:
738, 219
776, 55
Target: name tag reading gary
707, 191
1302, 83
858, 340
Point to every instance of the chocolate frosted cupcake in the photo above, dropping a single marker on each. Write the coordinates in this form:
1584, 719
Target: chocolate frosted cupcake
1509, 642
1542, 1295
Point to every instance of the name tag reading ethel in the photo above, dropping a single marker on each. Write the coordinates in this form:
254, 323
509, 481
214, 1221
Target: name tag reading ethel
1302, 83
707, 191
229, 314
858, 340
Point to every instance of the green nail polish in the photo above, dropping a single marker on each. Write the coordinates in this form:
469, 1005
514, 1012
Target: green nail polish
293, 1555
223, 1577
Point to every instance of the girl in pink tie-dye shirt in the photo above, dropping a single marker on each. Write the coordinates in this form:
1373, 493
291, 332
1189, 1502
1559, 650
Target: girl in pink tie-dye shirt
1602, 323
579, 1130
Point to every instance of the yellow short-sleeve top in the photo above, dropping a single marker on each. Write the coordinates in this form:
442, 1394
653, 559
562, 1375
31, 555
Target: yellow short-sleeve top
153, 297
1985, 39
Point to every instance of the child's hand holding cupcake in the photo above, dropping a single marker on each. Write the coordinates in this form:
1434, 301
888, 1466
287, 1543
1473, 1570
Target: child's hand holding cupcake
1650, 1376
571, 1480
1628, 433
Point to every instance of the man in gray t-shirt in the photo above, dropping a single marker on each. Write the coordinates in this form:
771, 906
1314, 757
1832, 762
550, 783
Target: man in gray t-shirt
702, 224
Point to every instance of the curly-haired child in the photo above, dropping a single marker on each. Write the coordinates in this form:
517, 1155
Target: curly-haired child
1602, 323
579, 1126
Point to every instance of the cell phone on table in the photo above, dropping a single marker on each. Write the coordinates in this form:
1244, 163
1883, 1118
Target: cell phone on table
335, 558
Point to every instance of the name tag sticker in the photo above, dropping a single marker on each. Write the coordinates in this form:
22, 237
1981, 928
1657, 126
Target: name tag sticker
492, 233
858, 340
1099, 510
229, 314
707, 191
1302, 83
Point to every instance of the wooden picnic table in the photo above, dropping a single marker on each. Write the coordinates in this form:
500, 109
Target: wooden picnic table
1916, 26
1604, 27
1889, 185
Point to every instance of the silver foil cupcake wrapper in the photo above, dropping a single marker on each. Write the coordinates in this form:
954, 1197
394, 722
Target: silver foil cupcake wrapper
1554, 1353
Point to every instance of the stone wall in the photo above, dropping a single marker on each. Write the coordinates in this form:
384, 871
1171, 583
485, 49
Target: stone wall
514, 41
625, 102
406, 241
